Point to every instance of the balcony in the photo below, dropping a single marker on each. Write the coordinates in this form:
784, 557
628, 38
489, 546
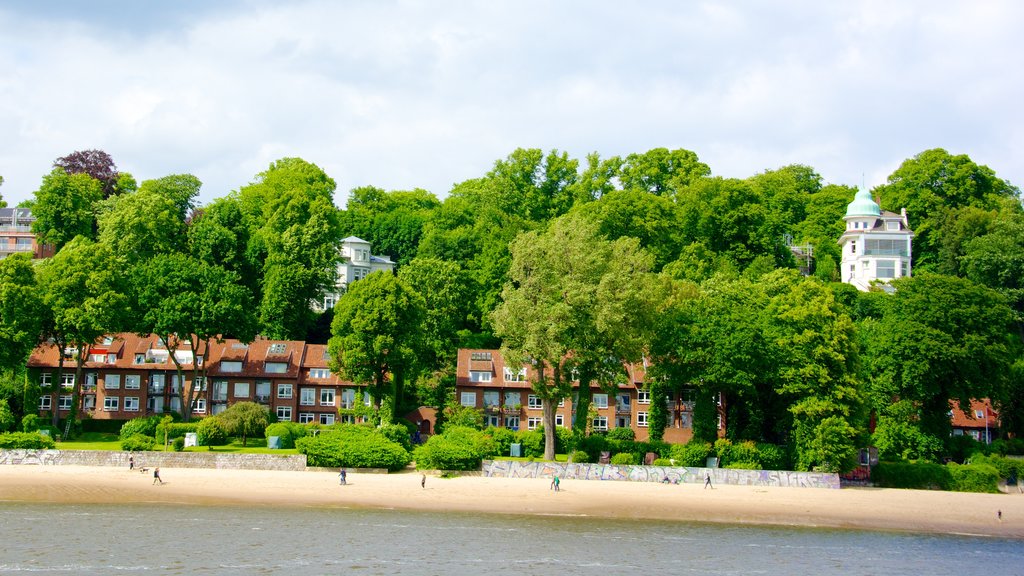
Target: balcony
263, 398
623, 409
511, 409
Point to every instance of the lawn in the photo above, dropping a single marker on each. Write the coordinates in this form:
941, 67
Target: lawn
105, 441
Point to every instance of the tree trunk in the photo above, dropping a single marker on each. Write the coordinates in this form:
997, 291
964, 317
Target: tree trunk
550, 406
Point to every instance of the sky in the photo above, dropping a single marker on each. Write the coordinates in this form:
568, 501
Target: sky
413, 94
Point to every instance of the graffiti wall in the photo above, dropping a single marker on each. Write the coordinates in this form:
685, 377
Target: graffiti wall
165, 459
674, 475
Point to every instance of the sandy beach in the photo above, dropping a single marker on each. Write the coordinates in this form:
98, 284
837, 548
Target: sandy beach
856, 508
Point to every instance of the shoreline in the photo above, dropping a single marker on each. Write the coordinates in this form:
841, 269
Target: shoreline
874, 509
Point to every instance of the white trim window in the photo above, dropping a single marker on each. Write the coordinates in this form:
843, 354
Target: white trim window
307, 396
131, 403
519, 376
199, 406
601, 401
512, 422
560, 420
533, 422
45, 402
327, 397
67, 380
65, 402
231, 366
600, 423
479, 376
643, 397
45, 379
319, 373
284, 390
327, 418
533, 401
110, 403
132, 382
468, 399
111, 381
305, 417
284, 413
241, 390
641, 419
276, 367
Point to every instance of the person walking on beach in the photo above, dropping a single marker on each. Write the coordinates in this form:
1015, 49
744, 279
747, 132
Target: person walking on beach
131, 463
707, 481
557, 482
342, 476
156, 476
423, 481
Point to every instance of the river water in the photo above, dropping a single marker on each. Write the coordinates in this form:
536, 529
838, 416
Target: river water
162, 539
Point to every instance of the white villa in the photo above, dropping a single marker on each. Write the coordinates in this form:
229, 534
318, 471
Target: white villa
356, 263
876, 244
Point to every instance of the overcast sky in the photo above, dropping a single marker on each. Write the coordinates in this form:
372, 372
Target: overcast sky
402, 94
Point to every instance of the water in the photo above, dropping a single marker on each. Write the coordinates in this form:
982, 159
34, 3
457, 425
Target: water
161, 539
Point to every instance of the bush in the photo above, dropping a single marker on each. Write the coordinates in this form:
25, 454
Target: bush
398, 434
532, 441
580, 457
918, 475
974, 478
692, 454
458, 448
623, 459
1011, 447
178, 444
138, 443
503, 439
662, 462
1008, 468
961, 448
622, 434
103, 426
353, 446
31, 423
743, 466
179, 429
593, 445
145, 425
51, 431
26, 441
287, 433
212, 431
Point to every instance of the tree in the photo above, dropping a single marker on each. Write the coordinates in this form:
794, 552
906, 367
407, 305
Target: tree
186, 301
569, 304
141, 225
180, 189
653, 220
21, 311
97, 164
662, 171
533, 186
84, 293
246, 419
391, 221
442, 285
64, 207
377, 336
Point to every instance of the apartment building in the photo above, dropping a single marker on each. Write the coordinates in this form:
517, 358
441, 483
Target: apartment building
16, 234
504, 395
126, 375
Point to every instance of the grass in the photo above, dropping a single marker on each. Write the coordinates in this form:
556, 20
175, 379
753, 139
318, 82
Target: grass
111, 442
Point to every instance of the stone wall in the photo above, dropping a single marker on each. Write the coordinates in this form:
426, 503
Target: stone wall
150, 459
680, 475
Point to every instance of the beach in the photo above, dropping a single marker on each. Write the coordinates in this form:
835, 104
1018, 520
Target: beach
914, 511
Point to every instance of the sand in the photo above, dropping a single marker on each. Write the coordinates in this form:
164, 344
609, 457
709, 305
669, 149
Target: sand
916, 511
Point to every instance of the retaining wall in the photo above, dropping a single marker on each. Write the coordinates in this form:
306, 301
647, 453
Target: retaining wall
784, 478
294, 462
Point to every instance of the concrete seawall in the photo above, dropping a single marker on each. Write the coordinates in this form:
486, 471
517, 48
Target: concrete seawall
681, 475
290, 462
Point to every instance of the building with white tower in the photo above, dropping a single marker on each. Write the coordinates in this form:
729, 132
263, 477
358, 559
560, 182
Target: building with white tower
876, 245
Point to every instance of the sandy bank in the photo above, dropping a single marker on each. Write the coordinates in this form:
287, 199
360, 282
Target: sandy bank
861, 508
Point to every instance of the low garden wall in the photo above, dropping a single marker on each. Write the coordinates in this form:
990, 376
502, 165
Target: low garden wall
149, 459
681, 475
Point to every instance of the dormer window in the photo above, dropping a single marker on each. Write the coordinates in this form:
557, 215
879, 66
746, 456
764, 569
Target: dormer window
480, 356
277, 367
892, 226
276, 349
231, 366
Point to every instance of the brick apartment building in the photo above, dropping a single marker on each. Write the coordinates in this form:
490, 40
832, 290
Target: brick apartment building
16, 234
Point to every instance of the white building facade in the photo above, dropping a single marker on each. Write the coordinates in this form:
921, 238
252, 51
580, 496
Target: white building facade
876, 245
356, 263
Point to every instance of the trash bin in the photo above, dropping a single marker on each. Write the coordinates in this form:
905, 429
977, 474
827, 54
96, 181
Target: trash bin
515, 450
274, 442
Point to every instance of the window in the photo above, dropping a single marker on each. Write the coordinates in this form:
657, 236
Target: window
904, 268
132, 382
175, 404
560, 420
468, 399
512, 422
284, 390
853, 247
327, 419
98, 358
45, 402
327, 397
885, 247
284, 413
65, 403
277, 348
493, 421
513, 398
131, 403
307, 396
67, 380
600, 424
890, 225
199, 406
885, 269
319, 373
88, 402
979, 414
533, 401
263, 391
156, 385
641, 419
220, 391
481, 356
329, 301
241, 390
140, 358
176, 383
231, 366
155, 405
348, 398
491, 398
112, 381
110, 403
305, 417
533, 423
519, 376
622, 403
601, 401
45, 379
277, 367
479, 376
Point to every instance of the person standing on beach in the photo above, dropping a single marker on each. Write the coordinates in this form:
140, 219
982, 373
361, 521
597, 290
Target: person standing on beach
131, 463
707, 481
423, 481
341, 477
156, 476
557, 482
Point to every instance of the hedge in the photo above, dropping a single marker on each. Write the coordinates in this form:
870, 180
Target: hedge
457, 448
287, 433
145, 425
26, 441
137, 443
353, 446
974, 478
212, 431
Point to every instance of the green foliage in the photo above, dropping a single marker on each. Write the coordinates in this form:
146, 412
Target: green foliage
455, 449
398, 434
287, 432
26, 441
353, 446
212, 431
145, 425
898, 439
31, 423
623, 459
973, 478
622, 434
456, 414
64, 207
1007, 467
138, 443
246, 419
7, 418
580, 457
178, 444
961, 448
743, 465
692, 454
1008, 447
917, 475
532, 442
663, 462
503, 439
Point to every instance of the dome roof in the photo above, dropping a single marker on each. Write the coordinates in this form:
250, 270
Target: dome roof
863, 205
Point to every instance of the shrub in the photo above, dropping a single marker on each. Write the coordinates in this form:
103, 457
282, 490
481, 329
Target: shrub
503, 439
1007, 467
179, 444
31, 423
743, 466
623, 459
772, 457
663, 462
622, 434
580, 457
50, 430
593, 445
212, 431
286, 433
692, 454
532, 441
26, 441
145, 425
1010, 447
974, 478
179, 429
353, 446
919, 475
961, 448
138, 443
398, 434
458, 448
